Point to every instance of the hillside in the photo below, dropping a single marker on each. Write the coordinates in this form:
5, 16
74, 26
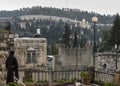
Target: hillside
51, 22
64, 12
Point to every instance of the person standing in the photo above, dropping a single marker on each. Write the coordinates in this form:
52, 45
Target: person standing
11, 67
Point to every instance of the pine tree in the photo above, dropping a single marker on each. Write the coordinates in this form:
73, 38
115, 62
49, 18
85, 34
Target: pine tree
115, 31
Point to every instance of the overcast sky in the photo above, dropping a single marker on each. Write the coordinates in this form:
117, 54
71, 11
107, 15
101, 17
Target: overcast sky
99, 6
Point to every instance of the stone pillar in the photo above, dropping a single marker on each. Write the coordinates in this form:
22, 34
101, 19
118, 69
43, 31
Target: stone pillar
50, 77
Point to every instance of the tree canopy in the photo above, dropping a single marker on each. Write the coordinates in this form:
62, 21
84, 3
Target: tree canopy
115, 31
111, 37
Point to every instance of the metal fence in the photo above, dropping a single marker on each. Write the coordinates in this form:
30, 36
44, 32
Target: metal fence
52, 76
103, 77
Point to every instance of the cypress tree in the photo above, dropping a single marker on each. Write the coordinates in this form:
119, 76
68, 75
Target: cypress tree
66, 36
75, 43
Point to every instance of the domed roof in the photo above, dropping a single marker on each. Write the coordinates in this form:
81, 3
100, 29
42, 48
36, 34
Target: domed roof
83, 20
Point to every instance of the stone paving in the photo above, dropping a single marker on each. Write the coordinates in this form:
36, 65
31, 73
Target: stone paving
80, 84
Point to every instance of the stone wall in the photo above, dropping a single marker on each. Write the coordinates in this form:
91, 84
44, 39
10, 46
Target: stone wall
6, 44
106, 61
76, 56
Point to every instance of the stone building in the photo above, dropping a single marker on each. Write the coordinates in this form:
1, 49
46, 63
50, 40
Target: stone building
31, 52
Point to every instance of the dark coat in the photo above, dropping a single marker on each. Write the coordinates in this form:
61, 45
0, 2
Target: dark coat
12, 68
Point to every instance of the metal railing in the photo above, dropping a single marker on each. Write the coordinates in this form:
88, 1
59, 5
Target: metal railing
103, 77
52, 76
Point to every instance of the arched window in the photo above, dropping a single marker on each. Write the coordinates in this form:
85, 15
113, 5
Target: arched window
31, 55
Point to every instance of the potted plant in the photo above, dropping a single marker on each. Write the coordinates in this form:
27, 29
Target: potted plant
86, 77
29, 82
